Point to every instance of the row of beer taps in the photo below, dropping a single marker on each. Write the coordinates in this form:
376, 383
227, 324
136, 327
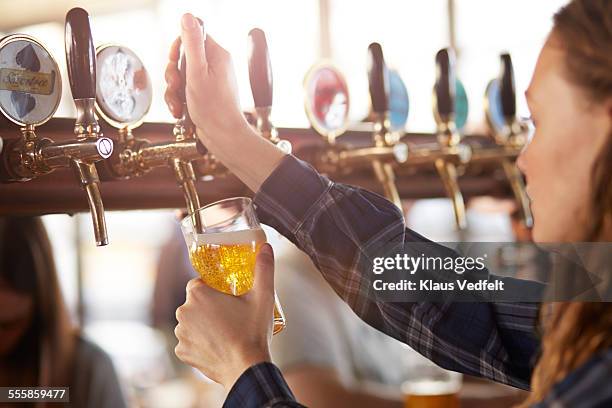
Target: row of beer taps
391, 154
128, 155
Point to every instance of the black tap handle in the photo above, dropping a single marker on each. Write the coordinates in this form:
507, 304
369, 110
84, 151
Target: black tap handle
445, 82
80, 54
260, 69
378, 78
506, 84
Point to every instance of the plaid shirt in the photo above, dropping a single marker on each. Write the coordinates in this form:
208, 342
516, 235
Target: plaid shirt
339, 226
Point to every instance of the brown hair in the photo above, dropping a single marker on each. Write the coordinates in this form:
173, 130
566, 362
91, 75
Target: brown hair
44, 356
575, 331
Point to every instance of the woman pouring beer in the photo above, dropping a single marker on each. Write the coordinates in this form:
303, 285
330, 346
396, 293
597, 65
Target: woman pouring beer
561, 351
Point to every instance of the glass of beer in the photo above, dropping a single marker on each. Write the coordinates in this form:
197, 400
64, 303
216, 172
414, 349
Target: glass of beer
430, 386
223, 239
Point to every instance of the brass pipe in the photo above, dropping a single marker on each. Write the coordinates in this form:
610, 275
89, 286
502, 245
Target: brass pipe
386, 176
185, 177
59, 154
356, 157
153, 155
88, 177
495, 153
448, 174
518, 188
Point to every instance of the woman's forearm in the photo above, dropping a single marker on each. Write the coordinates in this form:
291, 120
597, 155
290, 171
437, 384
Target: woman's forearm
250, 157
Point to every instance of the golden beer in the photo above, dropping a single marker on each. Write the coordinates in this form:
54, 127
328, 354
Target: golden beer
431, 394
226, 262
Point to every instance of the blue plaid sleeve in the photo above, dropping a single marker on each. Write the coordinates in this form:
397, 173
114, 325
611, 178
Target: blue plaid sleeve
588, 386
262, 385
339, 225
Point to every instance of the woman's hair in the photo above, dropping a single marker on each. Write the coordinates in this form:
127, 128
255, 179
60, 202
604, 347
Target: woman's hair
44, 356
575, 331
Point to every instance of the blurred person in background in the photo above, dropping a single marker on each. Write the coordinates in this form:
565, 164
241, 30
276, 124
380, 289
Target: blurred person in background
39, 346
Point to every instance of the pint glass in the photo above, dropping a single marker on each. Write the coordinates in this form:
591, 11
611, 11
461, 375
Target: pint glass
430, 386
223, 239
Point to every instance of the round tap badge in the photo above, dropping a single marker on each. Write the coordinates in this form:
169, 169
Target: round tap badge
493, 104
30, 82
398, 101
461, 105
327, 100
123, 88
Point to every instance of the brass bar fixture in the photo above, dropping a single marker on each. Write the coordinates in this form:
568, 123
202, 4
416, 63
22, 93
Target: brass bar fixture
137, 156
507, 132
453, 152
30, 156
378, 79
327, 105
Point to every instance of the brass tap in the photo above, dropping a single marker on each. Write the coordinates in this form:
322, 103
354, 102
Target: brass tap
507, 132
81, 61
30, 156
137, 156
327, 105
451, 151
378, 77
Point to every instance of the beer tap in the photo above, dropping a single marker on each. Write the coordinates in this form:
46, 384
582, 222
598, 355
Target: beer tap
35, 94
260, 76
507, 132
453, 153
378, 78
327, 106
124, 98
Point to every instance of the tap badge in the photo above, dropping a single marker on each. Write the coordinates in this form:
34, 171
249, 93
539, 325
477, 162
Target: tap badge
30, 84
123, 88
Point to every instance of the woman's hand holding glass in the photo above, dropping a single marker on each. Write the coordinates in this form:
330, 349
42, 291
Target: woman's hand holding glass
223, 335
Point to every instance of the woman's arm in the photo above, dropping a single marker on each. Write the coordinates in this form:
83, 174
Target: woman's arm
339, 226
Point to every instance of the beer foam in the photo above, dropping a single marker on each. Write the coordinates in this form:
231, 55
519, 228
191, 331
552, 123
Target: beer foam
431, 387
232, 237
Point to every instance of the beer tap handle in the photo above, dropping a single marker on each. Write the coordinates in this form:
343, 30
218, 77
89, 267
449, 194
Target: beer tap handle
260, 76
81, 62
378, 78
507, 88
260, 69
444, 88
80, 54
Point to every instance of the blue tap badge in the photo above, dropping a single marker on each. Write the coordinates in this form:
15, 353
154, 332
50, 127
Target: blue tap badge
461, 105
399, 103
495, 110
